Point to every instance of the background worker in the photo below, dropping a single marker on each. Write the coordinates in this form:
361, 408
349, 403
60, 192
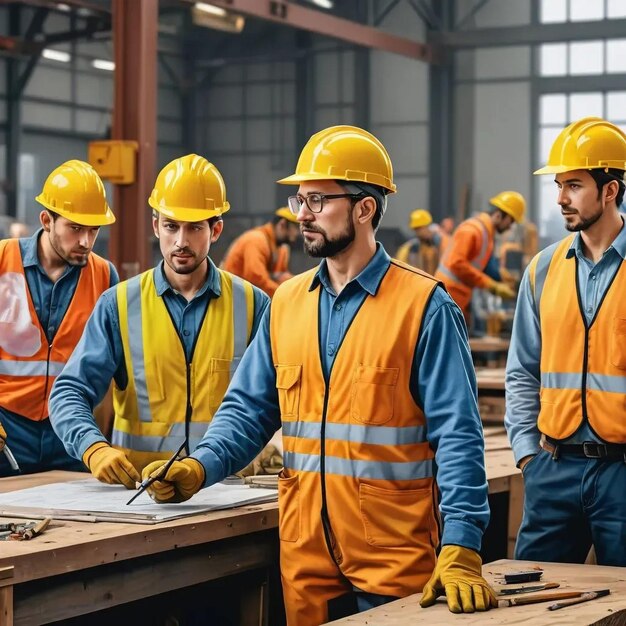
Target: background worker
566, 368
261, 255
364, 422
49, 284
422, 251
469, 262
169, 338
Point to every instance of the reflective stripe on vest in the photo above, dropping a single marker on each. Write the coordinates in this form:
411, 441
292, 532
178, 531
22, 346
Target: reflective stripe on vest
148, 443
30, 368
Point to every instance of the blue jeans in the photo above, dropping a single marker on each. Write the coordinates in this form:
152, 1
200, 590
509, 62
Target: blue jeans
35, 446
570, 504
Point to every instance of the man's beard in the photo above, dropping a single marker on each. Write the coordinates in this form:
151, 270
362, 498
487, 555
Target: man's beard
326, 247
184, 269
54, 242
584, 223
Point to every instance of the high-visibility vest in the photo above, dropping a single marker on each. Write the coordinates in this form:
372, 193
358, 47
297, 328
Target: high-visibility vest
357, 488
583, 365
461, 292
29, 364
423, 256
169, 398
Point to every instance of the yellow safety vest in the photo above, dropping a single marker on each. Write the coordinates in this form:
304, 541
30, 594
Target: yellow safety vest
168, 399
583, 365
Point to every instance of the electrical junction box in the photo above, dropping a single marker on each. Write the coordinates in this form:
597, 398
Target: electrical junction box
114, 160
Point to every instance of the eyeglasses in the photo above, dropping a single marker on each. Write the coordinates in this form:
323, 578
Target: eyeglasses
315, 201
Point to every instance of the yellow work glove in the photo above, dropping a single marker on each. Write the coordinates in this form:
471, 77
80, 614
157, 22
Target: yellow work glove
501, 289
183, 479
458, 576
3, 436
111, 466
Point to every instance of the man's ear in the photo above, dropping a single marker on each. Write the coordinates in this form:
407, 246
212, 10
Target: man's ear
155, 225
45, 219
218, 227
611, 190
366, 209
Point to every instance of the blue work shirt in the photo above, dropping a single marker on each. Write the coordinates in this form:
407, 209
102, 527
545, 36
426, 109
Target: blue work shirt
50, 299
443, 383
523, 372
99, 356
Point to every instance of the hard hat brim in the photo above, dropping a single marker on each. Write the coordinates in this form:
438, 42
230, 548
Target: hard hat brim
505, 209
559, 169
296, 179
180, 214
83, 219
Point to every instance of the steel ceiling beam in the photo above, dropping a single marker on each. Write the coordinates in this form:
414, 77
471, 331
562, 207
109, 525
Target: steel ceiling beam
296, 16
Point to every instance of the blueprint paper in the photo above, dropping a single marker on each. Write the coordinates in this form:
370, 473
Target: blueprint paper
91, 500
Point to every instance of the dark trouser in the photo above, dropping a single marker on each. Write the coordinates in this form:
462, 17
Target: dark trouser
570, 504
35, 446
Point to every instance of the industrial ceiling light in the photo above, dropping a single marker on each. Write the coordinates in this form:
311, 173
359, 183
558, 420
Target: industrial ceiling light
325, 4
103, 64
61, 6
211, 16
56, 55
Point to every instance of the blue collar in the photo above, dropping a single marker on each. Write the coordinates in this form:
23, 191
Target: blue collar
619, 245
369, 279
212, 284
30, 257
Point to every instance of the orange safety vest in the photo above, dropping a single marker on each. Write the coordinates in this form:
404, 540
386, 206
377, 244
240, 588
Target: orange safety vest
481, 227
583, 366
357, 492
26, 379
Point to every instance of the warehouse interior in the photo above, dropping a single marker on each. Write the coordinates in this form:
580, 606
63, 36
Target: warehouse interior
468, 98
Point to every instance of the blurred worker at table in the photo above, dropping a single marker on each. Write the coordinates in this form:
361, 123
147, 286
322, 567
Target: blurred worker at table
469, 261
261, 255
421, 251
49, 285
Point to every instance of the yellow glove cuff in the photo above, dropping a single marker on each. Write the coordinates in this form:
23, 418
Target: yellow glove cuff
94, 447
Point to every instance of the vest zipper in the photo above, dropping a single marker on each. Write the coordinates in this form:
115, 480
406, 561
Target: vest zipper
189, 409
44, 404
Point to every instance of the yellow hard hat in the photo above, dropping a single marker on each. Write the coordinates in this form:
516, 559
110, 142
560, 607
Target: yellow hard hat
75, 191
344, 153
419, 218
512, 203
589, 143
189, 189
287, 214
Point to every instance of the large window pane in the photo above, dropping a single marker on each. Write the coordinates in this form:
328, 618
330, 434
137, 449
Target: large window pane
583, 10
551, 226
586, 58
553, 109
616, 106
547, 135
553, 59
616, 8
584, 105
553, 11
616, 56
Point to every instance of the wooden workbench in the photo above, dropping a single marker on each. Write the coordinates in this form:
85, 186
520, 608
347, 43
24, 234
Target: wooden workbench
489, 351
76, 568
571, 577
491, 402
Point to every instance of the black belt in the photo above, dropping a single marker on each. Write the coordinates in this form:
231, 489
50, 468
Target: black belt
587, 449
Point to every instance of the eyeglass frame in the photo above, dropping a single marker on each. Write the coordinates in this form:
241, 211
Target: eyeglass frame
323, 197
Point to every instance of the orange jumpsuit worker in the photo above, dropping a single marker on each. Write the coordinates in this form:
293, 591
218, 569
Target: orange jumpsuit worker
364, 361
468, 261
261, 255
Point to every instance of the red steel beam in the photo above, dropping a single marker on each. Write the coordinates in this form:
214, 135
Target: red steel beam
315, 21
135, 27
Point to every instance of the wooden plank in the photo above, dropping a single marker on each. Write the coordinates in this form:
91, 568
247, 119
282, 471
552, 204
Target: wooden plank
516, 511
571, 577
6, 596
488, 344
490, 378
110, 585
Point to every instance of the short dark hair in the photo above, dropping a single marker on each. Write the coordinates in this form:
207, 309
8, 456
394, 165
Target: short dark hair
495, 209
53, 215
603, 177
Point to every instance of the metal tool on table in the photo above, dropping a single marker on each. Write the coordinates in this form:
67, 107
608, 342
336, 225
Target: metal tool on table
23, 531
10, 457
585, 597
518, 590
152, 479
526, 576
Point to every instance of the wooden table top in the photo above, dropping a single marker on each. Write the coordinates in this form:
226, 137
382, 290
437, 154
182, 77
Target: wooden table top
489, 378
489, 344
67, 546
571, 577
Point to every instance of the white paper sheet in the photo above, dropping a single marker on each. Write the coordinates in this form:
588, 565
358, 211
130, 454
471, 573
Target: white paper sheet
91, 500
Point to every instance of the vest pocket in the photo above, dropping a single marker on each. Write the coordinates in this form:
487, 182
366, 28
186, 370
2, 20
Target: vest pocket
397, 517
373, 392
219, 378
288, 384
618, 343
289, 507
